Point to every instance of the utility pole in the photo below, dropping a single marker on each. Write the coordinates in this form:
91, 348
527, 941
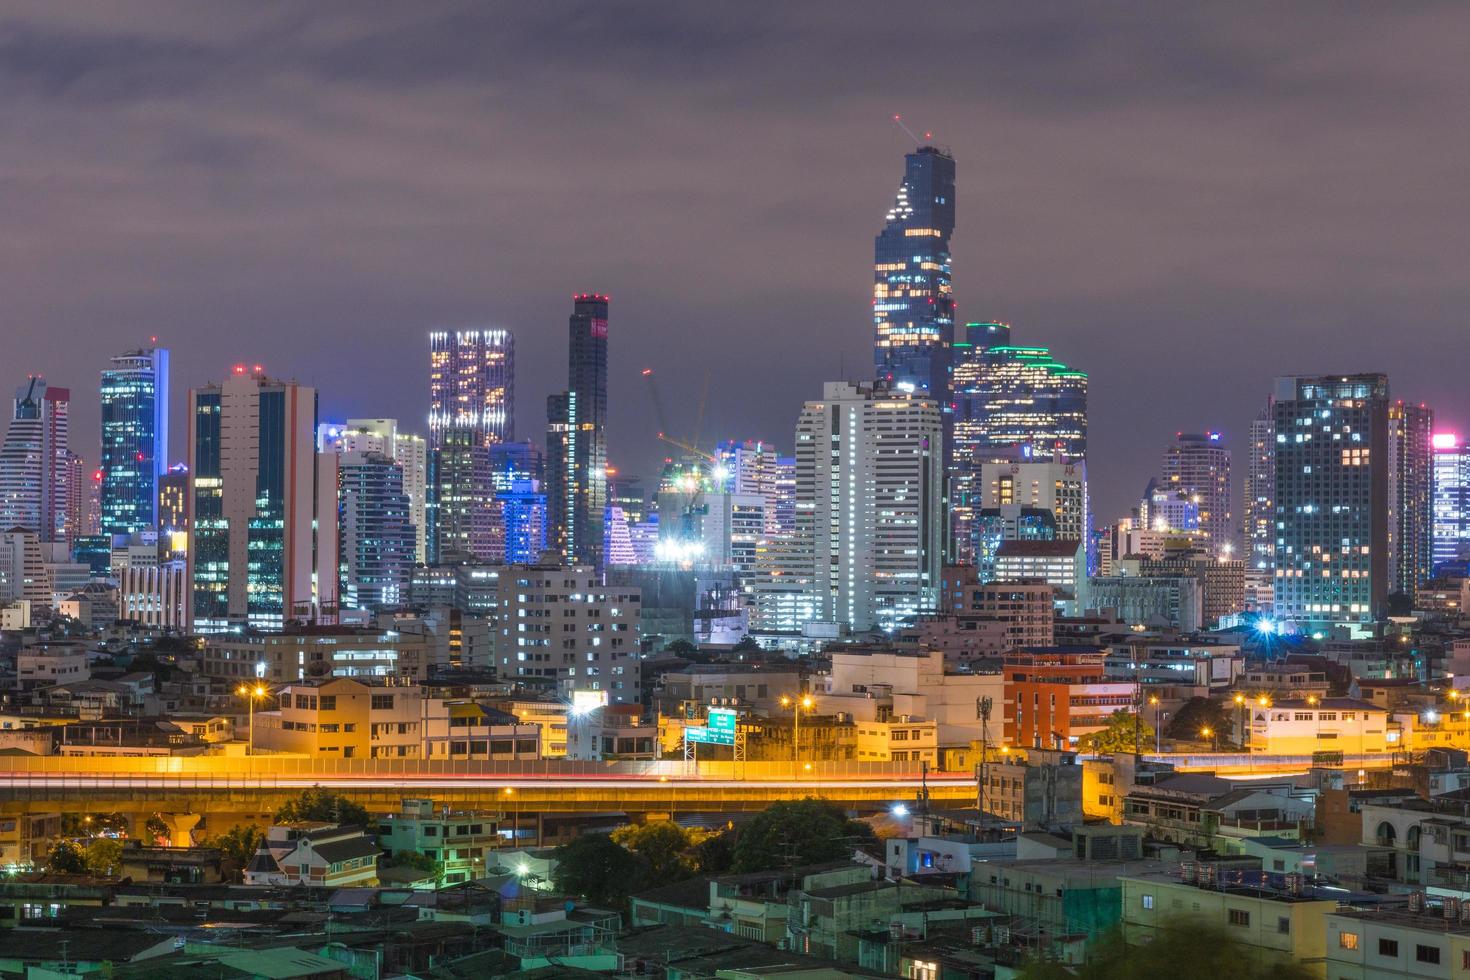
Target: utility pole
983, 708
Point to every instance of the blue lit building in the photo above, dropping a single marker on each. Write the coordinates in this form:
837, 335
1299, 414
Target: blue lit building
523, 515
1009, 522
913, 303
134, 440
1451, 502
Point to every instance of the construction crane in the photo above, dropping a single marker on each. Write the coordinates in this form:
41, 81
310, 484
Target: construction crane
688, 445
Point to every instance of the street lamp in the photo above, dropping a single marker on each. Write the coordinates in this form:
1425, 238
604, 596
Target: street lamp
796, 704
1208, 732
1240, 712
1153, 699
251, 692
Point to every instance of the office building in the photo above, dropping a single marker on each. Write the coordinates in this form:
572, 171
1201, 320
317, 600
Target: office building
1056, 695
1332, 499
1197, 468
1260, 510
913, 302
377, 535
1010, 399
869, 536
1061, 563
173, 510
1411, 495
561, 623
155, 596
1012, 522
472, 384
135, 443
33, 461
263, 550
753, 468
1057, 486
522, 508
576, 439
78, 494
461, 505
1451, 500
23, 575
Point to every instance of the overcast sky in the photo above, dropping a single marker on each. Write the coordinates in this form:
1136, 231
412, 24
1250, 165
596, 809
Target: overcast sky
1183, 200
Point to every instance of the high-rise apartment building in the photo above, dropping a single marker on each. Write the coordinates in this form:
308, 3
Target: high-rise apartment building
78, 497
377, 533
561, 623
913, 302
752, 468
262, 551
1411, 496
134, 439
33, 462
576, 439
1197, 465
472, 384
867, 548
1260, 510
1332, 487
410, 452
1451, 500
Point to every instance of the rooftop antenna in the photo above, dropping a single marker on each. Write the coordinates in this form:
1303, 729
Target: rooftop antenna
904, 126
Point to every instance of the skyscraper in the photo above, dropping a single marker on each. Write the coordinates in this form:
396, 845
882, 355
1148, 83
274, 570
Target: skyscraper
1451, 500
134, 439
867, 549
913, 303
576, 439
1008, 398
1332, 499
410, 452
462, 500
377, 534
262, 551
1010, 403
33, 462
472, 384
1197, 465
1411, 495
1260, 509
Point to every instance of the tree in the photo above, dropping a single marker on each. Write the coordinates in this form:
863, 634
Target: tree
747, 644
797, 832
317, 805
1198, 714
599, 869
1181, 947
237, 846
664, 845
156, 830
67, 857
1118, 736
681, 648
419, 862
103, 857
715, 855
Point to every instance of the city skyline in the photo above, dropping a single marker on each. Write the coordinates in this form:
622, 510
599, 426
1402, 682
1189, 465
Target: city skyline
1073, 247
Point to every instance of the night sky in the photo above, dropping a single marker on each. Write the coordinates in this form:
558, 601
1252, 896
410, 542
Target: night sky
1182, 200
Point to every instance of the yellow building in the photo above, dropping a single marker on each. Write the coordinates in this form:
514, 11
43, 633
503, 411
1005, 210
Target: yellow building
898, 741
1302, 727
1275, 925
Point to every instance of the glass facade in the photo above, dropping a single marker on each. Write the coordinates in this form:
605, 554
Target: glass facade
134, 395
1332, 499
913, 302
576, 439
377, 536
472, 384
1451, 502
33, 461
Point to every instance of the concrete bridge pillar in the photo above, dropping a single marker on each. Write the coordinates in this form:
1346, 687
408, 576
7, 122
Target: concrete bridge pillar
180, 828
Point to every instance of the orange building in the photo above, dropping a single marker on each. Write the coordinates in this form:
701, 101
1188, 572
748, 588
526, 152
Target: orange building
1055, 695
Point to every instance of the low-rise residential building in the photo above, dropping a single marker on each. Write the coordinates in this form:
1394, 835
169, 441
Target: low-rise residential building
1197, 808
25, 840
878, 685
469, 730
898, 740
1425, 941
315, 652
1056, 695
1299, 728
315, 856
344, 718
550, 717
460, 840
611, 733
1275, 924
46, 664
1034, 789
